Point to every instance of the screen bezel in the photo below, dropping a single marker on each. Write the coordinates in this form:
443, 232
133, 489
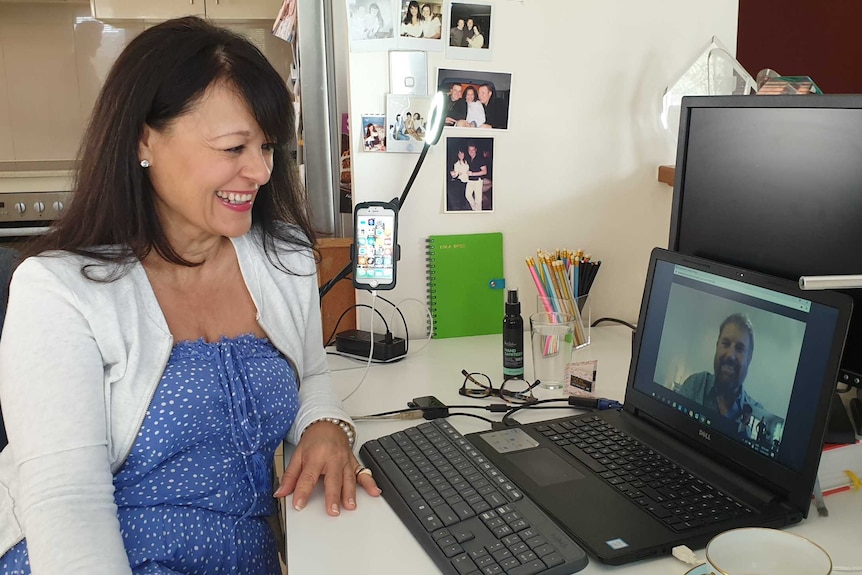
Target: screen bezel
795, 486
390, 210
850, 375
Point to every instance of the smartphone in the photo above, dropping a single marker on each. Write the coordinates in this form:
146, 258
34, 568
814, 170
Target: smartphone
375, 245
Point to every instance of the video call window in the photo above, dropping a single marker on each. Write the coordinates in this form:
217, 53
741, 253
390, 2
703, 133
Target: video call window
735, 361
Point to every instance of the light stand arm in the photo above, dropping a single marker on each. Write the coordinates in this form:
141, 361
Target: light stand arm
432, 136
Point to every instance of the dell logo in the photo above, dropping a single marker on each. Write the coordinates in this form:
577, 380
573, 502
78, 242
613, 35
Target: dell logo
704, 434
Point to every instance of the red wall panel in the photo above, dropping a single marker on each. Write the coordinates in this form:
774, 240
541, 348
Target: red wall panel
817, 38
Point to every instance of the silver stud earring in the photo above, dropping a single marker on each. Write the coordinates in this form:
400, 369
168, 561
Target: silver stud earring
145, 163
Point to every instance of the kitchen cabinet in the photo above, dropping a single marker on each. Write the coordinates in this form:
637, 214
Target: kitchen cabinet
166, 9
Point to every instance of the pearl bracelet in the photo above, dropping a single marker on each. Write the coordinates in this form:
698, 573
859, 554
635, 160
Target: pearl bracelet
345, 427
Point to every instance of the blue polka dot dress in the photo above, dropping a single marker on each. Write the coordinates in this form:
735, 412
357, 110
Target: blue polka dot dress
196, 488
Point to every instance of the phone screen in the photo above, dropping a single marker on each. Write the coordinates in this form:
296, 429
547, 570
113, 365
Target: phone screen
376, 245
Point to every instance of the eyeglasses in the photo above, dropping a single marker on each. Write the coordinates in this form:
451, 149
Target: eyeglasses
478, 385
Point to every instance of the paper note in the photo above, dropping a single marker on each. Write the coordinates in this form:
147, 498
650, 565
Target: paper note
581, 378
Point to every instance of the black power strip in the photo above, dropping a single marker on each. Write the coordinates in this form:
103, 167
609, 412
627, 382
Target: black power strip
358, 343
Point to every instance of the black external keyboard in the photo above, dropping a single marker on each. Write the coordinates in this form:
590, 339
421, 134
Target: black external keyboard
656, 484
468, 516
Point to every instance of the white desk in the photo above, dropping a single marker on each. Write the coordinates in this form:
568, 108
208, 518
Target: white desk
373, 540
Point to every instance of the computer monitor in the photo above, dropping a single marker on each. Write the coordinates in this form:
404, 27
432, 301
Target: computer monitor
774, 184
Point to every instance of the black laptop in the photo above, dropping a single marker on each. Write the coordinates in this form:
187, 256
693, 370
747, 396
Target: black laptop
726, 406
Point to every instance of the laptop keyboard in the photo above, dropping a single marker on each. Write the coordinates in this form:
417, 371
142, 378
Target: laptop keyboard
657, 485
468, 516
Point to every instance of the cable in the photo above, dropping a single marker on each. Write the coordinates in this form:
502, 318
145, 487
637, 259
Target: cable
403, 321
362, 359
330, 340
427, 314
588, 403
614, 320
473, 415
512, 410
345, 271
402, 415
370, 350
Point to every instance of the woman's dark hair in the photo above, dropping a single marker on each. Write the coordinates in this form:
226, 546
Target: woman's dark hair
374, 6
159, 76
407, 17
475, 93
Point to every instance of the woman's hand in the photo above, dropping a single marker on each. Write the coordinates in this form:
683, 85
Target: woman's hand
324, 450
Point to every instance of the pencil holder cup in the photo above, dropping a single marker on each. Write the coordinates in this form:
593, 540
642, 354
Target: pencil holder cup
580, 309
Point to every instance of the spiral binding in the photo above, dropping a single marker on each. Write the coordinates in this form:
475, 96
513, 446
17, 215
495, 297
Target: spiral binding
431, 285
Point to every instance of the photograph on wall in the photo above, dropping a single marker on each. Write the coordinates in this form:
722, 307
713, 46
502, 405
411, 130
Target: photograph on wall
345, 184
475, 99
420, 26
374, 132
372, 24
469, 168
406, 119
471, 28
285, 23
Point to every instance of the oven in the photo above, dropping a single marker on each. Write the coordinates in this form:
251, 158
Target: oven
30, 200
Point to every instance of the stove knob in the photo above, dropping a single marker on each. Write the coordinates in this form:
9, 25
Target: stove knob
39, 207
58, 206
20, 207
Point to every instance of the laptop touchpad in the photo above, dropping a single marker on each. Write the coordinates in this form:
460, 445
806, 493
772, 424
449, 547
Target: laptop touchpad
544, 466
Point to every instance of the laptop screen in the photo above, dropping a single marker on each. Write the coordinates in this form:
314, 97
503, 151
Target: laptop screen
741, 361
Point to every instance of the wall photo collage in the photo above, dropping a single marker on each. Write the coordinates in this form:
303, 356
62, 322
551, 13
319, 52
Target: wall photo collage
476, 100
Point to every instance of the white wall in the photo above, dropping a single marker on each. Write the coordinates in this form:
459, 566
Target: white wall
577, 167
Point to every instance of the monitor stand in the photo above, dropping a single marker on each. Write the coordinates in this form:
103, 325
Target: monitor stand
839, 428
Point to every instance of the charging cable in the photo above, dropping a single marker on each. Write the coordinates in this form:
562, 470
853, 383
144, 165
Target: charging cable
427, 314
370, 350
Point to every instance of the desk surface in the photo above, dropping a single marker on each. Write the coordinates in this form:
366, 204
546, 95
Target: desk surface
374, 536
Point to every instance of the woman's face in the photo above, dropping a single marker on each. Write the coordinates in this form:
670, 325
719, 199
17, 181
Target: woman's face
470, 95
461, 155
207, 166
414, 10
426, 12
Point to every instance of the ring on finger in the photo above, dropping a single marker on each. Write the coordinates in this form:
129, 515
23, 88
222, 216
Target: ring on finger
362, 470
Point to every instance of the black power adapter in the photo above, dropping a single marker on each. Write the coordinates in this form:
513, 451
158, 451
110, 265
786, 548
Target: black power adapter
357, 342
431, 407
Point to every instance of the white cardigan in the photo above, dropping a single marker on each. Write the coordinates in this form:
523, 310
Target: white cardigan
73, 414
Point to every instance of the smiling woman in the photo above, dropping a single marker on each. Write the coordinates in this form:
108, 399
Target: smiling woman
207, 166
156, 338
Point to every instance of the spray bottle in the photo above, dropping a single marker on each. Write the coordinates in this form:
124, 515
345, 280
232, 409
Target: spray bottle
513, 337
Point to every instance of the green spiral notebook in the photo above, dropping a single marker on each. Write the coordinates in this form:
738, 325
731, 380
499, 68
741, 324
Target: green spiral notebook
465, 284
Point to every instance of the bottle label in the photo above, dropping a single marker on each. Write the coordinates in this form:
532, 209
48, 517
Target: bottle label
513, 361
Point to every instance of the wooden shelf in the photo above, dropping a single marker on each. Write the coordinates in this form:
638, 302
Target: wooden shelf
666, 175
335, 254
